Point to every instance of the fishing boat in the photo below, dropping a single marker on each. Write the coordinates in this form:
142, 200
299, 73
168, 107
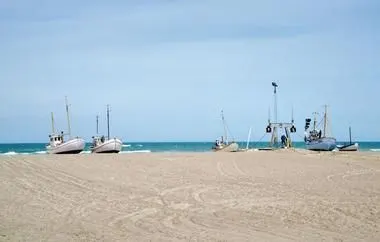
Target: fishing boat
317, 139
273, 128
101, 144
350, 146
58, 145
223, 145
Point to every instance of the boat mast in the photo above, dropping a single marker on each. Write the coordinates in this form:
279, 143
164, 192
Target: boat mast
275, 100
97, 124
68, 118
292, 115
275, 130
52, 123
349, 130
224, 126
108, 121
325, 122
315, 121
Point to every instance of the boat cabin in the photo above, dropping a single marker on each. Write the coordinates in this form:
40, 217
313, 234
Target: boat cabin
56, 139
98, 140
314, 135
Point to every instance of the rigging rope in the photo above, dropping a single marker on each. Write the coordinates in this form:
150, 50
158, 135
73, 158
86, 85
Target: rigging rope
228, 131
255, 143
226, 127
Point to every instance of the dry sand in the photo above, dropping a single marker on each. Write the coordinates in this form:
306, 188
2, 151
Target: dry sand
253, 196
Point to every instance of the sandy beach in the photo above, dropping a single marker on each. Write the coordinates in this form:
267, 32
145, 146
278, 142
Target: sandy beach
252, 196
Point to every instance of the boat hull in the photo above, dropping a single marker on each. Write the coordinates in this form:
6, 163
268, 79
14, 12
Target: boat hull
232, 147
350, 147
323, 144
73, 146
109, 146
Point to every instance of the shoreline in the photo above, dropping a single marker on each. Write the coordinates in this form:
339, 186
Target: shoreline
159, 147
250, 150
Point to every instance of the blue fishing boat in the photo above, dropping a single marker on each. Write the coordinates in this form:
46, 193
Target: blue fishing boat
317, 139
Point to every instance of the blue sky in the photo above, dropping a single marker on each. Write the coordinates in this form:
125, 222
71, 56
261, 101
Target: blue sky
167, 68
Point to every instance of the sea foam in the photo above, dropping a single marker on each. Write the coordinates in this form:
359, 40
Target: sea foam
10, 153
40, 152
85, 152
135, 151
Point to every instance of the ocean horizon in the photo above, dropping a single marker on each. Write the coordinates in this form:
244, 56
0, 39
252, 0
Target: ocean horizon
148, 147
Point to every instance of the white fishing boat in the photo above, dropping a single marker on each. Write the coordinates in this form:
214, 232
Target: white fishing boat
223, 145
317, 139
58, 145
350, 146
101, 144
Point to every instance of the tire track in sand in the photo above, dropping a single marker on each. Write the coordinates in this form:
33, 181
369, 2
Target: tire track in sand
351, 173
133, 217
235, 171
241, 177
238, 169
222, 172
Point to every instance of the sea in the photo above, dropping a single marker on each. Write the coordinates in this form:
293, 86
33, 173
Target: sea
147, 147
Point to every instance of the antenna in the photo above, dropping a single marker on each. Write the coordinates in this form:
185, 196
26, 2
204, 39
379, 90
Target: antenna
68, 117
108, 121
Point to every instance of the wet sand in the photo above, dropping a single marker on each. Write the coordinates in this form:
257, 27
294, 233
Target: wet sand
252, 196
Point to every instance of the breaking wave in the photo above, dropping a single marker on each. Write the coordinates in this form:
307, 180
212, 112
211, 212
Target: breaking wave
14, 153
135, 151
40, 152
10, 153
